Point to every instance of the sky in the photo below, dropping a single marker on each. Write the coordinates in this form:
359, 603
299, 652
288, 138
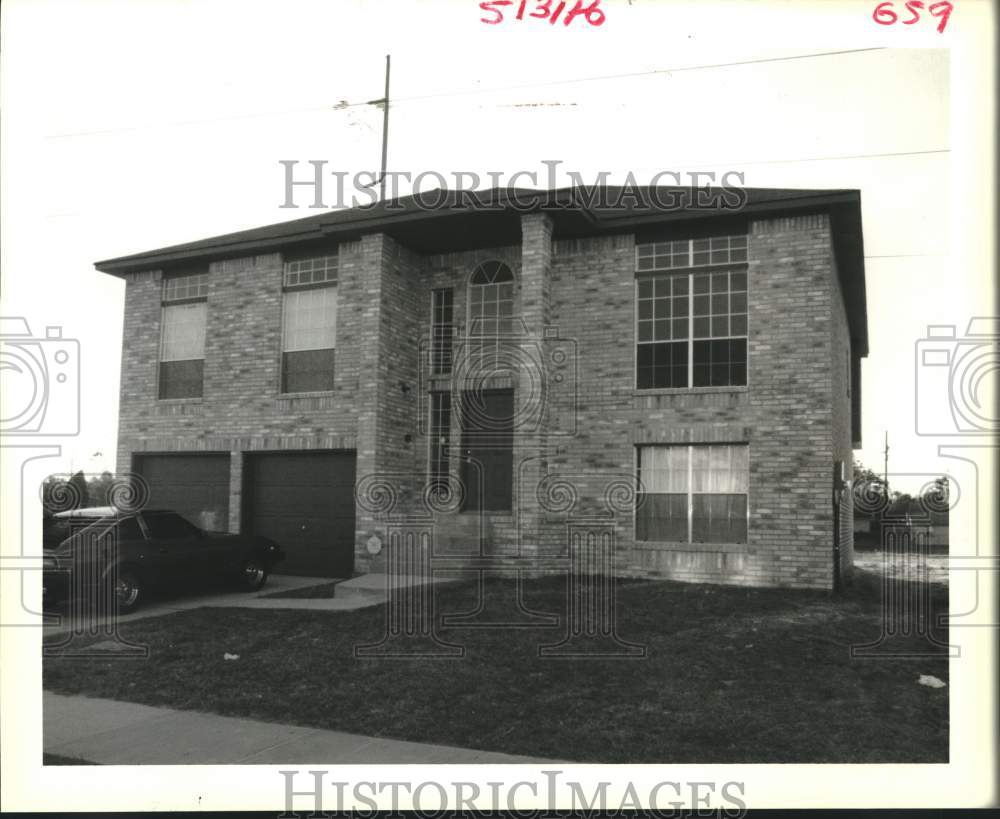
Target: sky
133, 126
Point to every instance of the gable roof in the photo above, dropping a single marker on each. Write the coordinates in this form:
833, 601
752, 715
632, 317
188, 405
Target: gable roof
443, 220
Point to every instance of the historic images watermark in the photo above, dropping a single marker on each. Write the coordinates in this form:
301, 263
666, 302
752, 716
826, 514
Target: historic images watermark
957, 402
583, 515
86, 569
501, 398
666, 190
907, 532
325, 796
39, 401
956, 380
41, 381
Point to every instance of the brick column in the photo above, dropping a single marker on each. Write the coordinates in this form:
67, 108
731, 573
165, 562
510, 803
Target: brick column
384, 324
532, 392
790, 393
235, 491
140, 360
364, 268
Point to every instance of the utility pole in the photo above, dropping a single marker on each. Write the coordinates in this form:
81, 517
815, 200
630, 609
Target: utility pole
885, 465
384, 102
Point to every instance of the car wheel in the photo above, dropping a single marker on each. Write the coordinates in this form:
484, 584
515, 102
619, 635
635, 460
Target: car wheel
128, 591
254, 575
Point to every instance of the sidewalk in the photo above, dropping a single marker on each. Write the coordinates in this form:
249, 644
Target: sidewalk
110, 732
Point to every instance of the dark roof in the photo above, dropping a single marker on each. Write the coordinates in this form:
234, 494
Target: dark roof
442, 221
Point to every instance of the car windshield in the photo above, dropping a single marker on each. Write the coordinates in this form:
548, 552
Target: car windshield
56, 531
169, 525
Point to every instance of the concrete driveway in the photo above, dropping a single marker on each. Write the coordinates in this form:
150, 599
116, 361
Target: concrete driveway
168, 603
356, 593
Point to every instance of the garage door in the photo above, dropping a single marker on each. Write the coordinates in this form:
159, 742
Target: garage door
304, 501
196, 486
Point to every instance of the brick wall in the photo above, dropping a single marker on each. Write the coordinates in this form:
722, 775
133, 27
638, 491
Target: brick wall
785, 414
840, 401
794, 413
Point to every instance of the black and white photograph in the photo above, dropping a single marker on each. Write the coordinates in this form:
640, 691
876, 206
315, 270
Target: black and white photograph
585, 405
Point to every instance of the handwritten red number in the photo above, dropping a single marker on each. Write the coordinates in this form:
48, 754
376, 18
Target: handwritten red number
884, 16
492, 6
543, 7
593, 13
912, 7
944, 14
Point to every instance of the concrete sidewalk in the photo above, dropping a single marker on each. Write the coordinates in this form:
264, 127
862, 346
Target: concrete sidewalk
110, 732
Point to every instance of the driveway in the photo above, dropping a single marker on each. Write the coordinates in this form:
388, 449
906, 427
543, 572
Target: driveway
180, 601
356, 593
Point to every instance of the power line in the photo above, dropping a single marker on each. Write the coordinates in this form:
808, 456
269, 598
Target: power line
344, 105
848, 156
634, 74
714, 163
816, 158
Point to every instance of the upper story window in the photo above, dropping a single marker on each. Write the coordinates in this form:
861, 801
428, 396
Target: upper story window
185, 288
303, 272
683, 253
309, 324
691, 323
442, 330
182, 336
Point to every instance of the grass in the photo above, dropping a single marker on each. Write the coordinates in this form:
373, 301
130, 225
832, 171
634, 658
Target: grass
55, 759
730, 675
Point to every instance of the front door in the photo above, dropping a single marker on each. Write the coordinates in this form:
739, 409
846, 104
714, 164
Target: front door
487, 449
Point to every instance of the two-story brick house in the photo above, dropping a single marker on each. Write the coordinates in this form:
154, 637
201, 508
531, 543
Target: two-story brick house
688, 375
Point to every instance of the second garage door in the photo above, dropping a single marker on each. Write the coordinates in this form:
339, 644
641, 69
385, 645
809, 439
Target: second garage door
304, 501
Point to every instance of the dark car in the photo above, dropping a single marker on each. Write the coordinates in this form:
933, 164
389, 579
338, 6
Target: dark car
101, 549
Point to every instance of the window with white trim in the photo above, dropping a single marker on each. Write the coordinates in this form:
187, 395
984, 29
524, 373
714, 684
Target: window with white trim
440, 435
491, 313
693, 493
319, 270
442, 330
491, 299
183, 319
309, 325
691, 323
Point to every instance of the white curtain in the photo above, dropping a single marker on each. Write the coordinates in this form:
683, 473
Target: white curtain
664, 469
183, 332
720, 470
716, 470
310, 319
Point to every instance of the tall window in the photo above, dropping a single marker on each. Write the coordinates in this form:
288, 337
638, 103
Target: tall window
691, 324
440, 433
442, 330
693, 494
309, 325
182, 336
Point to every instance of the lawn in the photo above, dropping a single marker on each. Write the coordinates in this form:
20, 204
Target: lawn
730, 675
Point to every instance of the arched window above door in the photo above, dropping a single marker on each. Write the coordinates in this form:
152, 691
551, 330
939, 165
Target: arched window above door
491, 299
